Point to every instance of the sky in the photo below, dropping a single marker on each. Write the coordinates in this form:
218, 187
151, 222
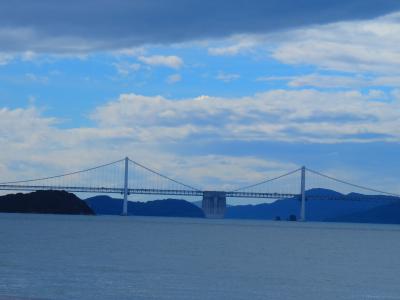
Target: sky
217, 94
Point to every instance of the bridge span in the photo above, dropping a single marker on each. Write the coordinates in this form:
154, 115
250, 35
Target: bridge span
127, 177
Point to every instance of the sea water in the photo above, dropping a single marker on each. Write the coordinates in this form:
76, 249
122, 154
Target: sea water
112, 257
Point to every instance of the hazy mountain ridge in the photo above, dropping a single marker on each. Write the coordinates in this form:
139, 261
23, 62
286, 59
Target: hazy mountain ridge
105, 205
318, 208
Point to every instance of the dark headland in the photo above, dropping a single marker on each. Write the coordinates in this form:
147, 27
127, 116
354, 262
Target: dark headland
44, 202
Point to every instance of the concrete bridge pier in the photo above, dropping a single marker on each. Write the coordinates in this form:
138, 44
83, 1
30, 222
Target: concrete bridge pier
214, 204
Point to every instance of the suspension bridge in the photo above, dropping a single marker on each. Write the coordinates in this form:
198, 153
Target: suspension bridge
128, 177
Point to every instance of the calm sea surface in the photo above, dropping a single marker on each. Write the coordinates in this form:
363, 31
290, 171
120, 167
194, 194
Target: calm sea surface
86, 257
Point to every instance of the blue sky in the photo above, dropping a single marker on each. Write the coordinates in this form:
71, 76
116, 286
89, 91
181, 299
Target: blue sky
245, 92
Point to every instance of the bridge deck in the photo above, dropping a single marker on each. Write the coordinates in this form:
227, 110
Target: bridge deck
108, 190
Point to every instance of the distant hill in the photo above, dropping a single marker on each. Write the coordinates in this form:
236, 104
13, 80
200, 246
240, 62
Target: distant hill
44, 202
317, 209
385, 214
197, 203
105, 205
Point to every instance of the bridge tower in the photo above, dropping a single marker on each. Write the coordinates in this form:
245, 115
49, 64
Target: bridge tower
125, 204
303, 194
214, 204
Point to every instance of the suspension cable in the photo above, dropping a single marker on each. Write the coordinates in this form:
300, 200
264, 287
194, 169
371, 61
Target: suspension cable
58, 176
352, 184
164, 176
266, 181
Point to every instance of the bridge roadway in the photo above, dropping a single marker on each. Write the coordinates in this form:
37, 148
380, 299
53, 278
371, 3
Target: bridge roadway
107, 190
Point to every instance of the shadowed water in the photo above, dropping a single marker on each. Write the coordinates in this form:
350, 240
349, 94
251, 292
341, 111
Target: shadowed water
86, 257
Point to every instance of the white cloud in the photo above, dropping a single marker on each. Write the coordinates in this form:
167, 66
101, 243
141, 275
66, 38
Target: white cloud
317, 80
324, 81
28, 56
227, 77
126, 68
171, 61
5, 58
356, 46
304, 115
235, 45
350, 46
275, 78
134, 51
174, 78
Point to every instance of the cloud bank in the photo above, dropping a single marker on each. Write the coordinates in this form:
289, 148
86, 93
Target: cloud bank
363, 46
279, 115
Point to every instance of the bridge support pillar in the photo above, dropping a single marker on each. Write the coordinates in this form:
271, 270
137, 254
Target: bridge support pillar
125, 204
303, 194
214, 204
